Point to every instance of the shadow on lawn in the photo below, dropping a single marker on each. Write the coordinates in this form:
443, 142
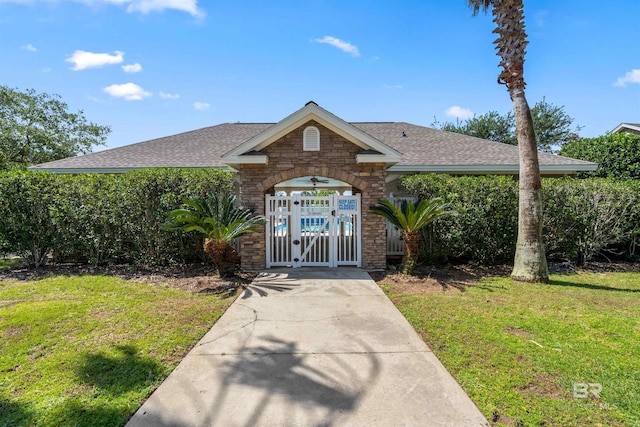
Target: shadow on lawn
14, 413
85, 414
119, 374
590, 286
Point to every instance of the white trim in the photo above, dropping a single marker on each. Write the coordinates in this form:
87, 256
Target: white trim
311, 111
74, 171
254, 159
626, 125
376, 158
488, 169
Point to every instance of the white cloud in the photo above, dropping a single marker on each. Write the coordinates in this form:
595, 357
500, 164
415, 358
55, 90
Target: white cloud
632, 76
82, 60
459, 112
342, 45
128, 91
142, 6
29, 47
168, 95
46, 70
132, 68
393, 86
146, 6
200, 106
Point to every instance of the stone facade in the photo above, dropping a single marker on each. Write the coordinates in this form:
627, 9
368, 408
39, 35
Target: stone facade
336, 159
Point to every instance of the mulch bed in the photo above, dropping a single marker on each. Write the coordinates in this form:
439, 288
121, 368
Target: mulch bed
196, 278
203, 278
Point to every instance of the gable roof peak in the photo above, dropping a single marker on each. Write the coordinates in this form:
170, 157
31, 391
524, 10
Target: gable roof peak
311, 111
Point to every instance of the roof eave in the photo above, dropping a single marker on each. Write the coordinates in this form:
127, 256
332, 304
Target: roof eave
116, 170
626, 126
489, 169
377, 158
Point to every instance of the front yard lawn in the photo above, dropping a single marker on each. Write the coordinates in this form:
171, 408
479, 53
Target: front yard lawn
566, 353
88, 350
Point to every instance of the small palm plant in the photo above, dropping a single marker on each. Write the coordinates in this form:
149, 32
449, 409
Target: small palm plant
220, 222
411, 217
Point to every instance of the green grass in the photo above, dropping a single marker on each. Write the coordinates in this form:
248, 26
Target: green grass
88, 350
9, 262
519, 349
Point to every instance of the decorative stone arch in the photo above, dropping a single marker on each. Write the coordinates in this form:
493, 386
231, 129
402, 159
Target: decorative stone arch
324, 171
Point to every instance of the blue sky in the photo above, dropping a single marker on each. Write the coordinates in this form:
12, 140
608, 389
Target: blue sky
152, 68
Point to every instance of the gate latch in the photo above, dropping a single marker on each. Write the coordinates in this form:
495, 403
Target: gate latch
296, 202
333, 212
296, 242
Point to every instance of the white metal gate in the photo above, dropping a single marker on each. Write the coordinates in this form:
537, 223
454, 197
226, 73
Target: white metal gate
313, 231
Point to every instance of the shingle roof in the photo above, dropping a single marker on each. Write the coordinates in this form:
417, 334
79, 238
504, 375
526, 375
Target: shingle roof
428, 146
203, 148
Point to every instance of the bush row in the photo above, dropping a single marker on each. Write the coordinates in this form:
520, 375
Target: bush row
583, 218
101, 218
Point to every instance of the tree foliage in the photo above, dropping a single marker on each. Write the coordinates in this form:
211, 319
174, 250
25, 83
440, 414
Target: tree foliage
552, 125
617, 155
37, 128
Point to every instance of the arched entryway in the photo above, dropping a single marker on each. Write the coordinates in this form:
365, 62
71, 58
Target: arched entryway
313, 221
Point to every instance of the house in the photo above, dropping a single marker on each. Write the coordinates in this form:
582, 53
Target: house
313, 148
627, 128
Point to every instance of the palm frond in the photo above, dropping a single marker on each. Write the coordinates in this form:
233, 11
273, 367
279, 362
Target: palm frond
412, 216
215, 218
478, 5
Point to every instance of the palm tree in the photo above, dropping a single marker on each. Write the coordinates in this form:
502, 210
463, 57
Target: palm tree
530, 263
411, 218
220, 222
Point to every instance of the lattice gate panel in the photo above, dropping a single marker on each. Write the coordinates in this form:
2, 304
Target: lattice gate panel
313, 231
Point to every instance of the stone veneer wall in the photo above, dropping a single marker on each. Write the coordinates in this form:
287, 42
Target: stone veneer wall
336, 159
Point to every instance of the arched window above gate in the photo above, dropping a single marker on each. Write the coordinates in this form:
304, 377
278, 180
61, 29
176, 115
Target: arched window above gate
311, 139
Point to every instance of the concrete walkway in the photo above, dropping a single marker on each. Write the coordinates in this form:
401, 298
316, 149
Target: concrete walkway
310, 347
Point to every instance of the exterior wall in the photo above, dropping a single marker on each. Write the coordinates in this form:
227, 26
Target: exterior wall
336, 159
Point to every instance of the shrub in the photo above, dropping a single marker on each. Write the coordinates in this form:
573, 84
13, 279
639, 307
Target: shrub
486, 226
26, 226
582, 218
101, 218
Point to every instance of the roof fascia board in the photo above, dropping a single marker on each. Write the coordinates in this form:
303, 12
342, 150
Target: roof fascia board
376, 158
491, 168
311, 111
75, 171
247, 160
627, 126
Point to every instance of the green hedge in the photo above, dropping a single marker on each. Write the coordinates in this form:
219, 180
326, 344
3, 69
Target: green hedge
582, 217
101, 218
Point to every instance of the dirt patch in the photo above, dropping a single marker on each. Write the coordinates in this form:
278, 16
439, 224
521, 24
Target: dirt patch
456, 278
196, 278
545, 387
518, 332
430, 280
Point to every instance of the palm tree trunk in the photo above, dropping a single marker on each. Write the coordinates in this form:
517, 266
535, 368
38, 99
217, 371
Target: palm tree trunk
223, 255
530, 263
411, 245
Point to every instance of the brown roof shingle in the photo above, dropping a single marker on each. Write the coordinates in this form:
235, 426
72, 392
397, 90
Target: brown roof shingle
204, 148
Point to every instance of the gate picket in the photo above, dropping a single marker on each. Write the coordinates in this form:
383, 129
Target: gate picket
313, 230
